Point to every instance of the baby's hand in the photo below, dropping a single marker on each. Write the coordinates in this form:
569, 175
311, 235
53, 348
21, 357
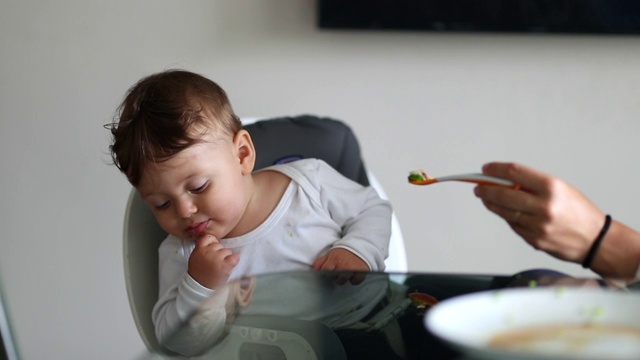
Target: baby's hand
210, 263
341, 260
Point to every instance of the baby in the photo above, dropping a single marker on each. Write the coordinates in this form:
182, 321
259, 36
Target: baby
182, 147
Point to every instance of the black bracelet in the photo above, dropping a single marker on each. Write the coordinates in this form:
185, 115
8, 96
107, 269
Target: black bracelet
596, 244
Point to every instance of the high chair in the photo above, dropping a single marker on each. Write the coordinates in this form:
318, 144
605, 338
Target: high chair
278, 139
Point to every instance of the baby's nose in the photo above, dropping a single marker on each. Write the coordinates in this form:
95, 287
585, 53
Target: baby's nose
186, 209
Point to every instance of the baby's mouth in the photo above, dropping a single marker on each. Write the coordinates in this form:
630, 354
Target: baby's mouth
198, 228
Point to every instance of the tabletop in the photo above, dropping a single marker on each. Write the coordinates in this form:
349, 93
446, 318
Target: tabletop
338, 315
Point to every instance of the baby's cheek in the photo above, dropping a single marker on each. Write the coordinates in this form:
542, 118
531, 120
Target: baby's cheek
169, 225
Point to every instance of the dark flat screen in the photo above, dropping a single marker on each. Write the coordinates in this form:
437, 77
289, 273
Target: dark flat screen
525, 16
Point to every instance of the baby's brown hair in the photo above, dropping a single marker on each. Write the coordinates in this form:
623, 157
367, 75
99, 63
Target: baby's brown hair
163, 114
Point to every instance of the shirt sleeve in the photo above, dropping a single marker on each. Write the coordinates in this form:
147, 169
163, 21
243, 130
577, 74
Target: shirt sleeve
204, 329
364, 217
179, 294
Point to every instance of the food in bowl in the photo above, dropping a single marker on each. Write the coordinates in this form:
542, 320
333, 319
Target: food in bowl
571, 339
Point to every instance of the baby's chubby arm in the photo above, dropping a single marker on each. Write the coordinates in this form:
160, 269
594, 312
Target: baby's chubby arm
340, 259
210, 263
363, 216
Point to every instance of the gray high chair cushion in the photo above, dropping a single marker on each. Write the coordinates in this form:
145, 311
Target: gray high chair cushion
281, 140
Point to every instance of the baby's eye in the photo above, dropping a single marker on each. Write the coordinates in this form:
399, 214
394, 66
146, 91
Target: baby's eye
162, 206
199, 189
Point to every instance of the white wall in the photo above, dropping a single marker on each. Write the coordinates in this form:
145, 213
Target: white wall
446, 103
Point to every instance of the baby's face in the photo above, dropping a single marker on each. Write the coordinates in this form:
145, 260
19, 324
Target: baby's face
201, 190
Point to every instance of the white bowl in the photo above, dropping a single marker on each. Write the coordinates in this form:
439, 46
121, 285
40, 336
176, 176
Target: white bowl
470, 322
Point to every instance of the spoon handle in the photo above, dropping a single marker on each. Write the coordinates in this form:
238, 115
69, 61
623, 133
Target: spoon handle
480, 179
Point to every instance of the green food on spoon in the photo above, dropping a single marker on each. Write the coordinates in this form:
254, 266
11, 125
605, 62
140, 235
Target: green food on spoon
417, 175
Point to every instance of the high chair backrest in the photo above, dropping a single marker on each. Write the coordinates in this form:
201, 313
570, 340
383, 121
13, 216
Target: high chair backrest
276, 140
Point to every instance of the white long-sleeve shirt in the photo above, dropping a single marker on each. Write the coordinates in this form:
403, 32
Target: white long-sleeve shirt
319, 211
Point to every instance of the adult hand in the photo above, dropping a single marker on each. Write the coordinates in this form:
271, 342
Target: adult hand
344, 261
210, 263
546, 212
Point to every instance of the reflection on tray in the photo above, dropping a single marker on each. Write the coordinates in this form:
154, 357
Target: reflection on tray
307, 315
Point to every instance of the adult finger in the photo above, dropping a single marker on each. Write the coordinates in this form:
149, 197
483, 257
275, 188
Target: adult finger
510, 215
498, 195
528, 178
514, 200
525, 231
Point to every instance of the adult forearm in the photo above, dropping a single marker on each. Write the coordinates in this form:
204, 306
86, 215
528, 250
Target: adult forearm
619, 253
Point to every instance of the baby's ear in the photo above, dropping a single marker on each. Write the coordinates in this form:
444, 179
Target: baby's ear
245, 151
